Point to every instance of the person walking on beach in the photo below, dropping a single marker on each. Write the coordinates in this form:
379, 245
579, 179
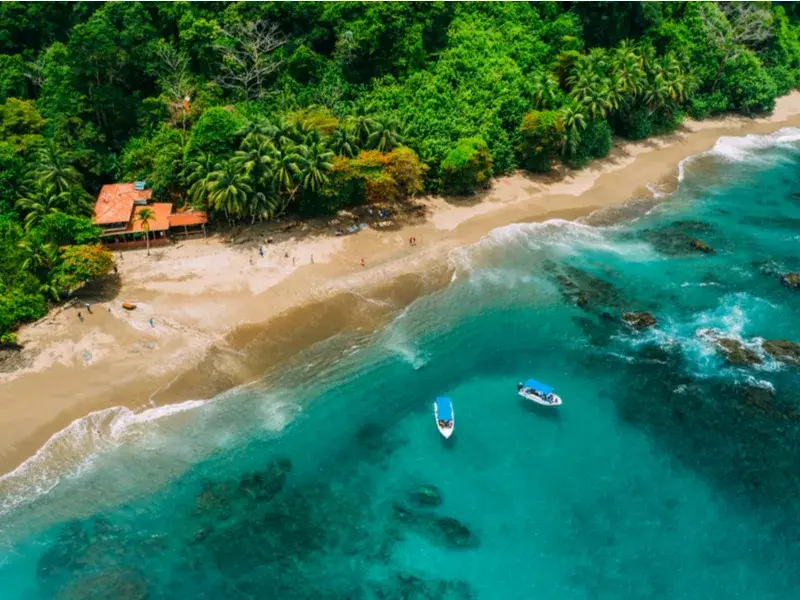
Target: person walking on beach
294, 261
312, 259
251, 260
80, 317
88, 308
151, 322
261, 251
362, 263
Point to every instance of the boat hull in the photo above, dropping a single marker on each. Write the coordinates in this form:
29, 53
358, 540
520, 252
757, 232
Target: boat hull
445, 431
534, 398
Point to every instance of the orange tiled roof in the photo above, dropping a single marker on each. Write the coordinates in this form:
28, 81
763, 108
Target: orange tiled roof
115, 202
187, 219
161, 211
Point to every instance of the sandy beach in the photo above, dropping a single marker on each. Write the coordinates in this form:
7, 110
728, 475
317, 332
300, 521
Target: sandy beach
212, 314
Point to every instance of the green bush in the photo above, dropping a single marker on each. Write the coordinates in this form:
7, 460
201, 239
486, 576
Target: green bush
635, 124
666, 121
17, 306
748, 86
467, 167
217, 132
595, 142
785, 80
156, 159
703, 106
542, 136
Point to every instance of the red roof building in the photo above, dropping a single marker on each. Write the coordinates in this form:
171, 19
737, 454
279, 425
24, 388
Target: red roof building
187, 219
115, 204
119, 204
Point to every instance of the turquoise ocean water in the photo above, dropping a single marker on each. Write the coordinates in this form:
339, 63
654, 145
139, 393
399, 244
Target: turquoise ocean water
667, 473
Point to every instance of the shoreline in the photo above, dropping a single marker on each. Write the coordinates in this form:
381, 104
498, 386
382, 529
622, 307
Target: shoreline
223, 314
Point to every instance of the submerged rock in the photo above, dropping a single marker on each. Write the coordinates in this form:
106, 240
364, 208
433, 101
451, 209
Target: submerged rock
791, 280
429, 495
446, 531
639, 320
586, 290
694, 226
456, 533
410, 587
701, 246
120, 583
782, 350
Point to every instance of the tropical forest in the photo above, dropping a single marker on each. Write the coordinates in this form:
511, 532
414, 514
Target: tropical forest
252, 111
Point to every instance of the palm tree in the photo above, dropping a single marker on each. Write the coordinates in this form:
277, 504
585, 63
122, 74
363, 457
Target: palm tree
262, 205
315, 163
574, 123
285, 168
386, 135
39, 257
628, 69
144, 216
594, 94
285, 133
255, 156
363, 124
197, 171
49, 288
229, 188
40, 199
668, 86
258, 126
545, 92
344, 142
54, 168
564, 63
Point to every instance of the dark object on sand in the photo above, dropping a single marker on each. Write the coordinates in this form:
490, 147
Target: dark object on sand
128, 306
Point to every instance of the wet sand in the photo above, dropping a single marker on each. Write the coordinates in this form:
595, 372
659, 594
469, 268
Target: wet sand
222, 314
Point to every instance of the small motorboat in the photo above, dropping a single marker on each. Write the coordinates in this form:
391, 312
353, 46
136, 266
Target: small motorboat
538, 392
445, 418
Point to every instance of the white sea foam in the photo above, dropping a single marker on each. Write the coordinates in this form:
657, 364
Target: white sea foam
737, 149
74, 449
762, 383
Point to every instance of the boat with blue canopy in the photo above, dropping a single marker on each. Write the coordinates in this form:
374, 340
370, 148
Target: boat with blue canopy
538, 392
445, 417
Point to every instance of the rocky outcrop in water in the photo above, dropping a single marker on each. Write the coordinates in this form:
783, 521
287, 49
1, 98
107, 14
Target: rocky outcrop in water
737, 353
782, 350
639, 320
701, 246
734, 351
791, 280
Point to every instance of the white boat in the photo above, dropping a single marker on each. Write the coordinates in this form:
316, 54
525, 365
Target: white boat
445, 417
538, 392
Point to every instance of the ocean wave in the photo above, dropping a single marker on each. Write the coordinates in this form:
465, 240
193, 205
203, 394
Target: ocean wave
72, 450
519, 243
734, 149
